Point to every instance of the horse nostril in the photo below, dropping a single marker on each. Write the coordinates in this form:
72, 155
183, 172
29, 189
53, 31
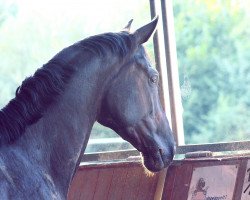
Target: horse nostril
161, 151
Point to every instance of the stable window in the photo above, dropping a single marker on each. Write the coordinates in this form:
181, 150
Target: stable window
212, 40
213, 45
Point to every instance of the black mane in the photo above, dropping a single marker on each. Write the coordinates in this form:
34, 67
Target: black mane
32, 99
118, 43
37, 92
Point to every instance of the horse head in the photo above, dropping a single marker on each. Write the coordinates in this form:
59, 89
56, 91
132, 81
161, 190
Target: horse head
131, 106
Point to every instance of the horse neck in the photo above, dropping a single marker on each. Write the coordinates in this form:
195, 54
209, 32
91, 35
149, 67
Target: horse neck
63, 132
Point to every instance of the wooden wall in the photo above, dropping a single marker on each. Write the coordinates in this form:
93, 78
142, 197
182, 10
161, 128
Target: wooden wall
180, 175
128, 181
113, 181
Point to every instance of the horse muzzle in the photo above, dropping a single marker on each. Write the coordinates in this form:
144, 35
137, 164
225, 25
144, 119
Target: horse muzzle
155, 161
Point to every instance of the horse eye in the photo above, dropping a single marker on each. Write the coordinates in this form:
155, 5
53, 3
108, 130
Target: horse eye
154, 79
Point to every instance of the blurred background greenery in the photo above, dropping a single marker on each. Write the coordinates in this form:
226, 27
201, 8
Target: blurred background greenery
213, 50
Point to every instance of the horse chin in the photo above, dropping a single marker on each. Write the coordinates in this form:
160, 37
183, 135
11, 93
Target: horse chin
156, 162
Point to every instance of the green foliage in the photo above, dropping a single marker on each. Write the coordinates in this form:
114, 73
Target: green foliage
213, 52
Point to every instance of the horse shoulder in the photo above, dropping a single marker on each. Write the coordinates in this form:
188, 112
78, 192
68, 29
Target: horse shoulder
21, 179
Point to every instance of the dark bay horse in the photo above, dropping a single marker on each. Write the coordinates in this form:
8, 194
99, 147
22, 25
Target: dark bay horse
45, 128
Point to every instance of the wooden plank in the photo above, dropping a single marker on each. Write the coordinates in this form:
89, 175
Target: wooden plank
153, 181
90, 181
182, 182
121, 155
240, 180
117, 184
160, 184
169, 183
76, 186
132, 183
83, 185
214, 147
147, 186
103, 184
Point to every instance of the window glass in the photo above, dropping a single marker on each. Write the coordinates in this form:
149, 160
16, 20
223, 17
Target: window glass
213, 49
31, 32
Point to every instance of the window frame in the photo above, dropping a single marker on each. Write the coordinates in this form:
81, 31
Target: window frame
175, 104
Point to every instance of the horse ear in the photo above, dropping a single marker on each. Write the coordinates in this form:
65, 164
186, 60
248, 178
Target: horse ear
127, 27
143, 34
